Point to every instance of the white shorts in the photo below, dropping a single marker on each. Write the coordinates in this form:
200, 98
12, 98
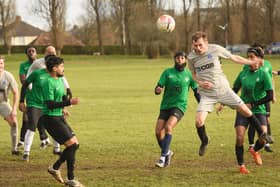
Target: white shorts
5, 109
228, 98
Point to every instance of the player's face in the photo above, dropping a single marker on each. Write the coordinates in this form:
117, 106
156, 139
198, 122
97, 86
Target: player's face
180, 59
31, 52
2, 65
253, 57
200, 46
59, 70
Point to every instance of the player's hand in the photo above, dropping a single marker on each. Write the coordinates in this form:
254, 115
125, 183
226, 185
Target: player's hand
158, 90
65, 113
274, 99
22, 107
74, 101
219, 109
206, 85
275, 72
249, 105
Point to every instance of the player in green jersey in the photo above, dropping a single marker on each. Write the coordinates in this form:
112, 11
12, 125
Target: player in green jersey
26, 133
176, 82
256, 90
54, 121
265, 66
8, 112
34, 107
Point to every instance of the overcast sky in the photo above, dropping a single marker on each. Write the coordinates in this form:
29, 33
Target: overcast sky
73, 15
74, 11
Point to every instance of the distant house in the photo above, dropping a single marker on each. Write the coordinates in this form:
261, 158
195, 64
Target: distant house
44, 39
24, 34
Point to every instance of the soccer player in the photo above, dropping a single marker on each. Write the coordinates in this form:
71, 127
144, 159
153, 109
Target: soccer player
8, 112
40, 64
54, 120
213, 87
256, 90
23, 68
266, 66
26, 132
176, 82
276, 72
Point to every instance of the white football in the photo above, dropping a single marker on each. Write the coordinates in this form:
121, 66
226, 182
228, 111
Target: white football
166, 23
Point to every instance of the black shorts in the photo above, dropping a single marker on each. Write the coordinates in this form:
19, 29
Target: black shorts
243, 121
165, 114
33, 115
267, 108
57, 127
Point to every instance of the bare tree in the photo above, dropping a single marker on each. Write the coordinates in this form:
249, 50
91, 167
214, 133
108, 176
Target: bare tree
7, 16
53, 12
187, 29
96, 6
245, 22
270, 14
198, 14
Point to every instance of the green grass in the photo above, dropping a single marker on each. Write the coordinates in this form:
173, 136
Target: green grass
115, 123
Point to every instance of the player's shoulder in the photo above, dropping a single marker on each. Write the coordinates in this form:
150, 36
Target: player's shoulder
8, 75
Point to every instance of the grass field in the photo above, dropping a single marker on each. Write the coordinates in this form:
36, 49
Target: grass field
115, 123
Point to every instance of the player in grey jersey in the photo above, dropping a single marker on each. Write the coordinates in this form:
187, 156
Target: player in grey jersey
8, 112
204, 63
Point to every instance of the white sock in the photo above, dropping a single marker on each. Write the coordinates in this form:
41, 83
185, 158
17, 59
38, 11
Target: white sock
28, 140
14, 137
162, 158
56, 146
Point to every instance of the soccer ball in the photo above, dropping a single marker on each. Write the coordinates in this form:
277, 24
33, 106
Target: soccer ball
165, 23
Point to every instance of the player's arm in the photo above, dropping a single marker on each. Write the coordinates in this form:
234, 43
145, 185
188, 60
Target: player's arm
202, 84
276, 72
267, 98
15, 101
67, 86
240, 60
67, 102
196, 95
22, 78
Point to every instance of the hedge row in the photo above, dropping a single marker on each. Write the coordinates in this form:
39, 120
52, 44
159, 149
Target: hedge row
89, 50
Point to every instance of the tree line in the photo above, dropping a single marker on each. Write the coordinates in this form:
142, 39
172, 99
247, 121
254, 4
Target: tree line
131, 23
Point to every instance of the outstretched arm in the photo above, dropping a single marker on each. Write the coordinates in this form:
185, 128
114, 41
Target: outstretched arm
240, 60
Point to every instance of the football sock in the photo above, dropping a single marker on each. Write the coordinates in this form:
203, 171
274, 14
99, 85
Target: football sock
23, 131
28, 140
165, 145
258, 145
202, 134
160, 142
239, 150
56, 146
251, 134
268, 129
14, 135
71, 161
255, 123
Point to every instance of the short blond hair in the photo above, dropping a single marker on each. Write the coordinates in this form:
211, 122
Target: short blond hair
199, 34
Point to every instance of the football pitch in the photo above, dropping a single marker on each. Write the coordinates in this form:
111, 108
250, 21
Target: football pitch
115, 123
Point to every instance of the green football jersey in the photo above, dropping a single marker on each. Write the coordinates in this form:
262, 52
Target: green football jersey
35, 97
53, 90
254, 85
23, 68
266, 67
176, 88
